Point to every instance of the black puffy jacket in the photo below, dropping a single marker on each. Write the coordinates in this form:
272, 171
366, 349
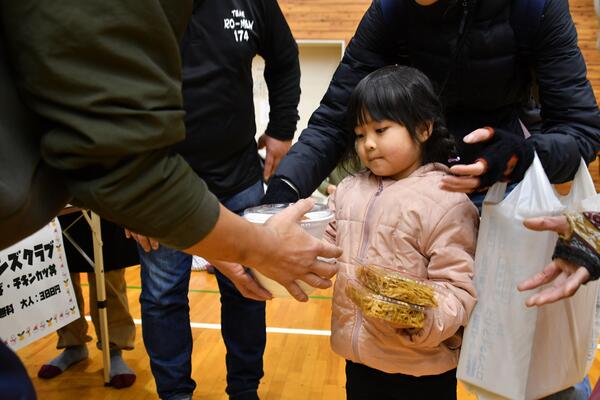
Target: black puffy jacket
484, 84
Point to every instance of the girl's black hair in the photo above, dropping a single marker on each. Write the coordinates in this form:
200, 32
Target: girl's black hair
406, 96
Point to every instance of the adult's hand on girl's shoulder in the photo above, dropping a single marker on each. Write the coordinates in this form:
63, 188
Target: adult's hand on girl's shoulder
503, 156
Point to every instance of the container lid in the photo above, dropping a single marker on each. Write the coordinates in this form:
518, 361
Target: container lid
260, 214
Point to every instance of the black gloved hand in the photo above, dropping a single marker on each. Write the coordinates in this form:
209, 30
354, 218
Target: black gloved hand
506, 155
279, 192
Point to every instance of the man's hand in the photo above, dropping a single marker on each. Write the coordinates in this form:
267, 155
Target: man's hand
276, 150
280, 249
145, 242
295, 255
565, 276
505, 157
242, 280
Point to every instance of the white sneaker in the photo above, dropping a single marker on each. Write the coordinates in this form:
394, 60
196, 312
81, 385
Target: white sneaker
199, 264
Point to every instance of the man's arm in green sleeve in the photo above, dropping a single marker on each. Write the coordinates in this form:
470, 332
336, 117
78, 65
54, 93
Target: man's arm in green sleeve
105, 76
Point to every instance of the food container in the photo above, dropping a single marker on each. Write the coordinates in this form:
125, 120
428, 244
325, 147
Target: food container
402, 314
314, 222
398, 285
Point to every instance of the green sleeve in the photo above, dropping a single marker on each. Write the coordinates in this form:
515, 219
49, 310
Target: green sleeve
105, 75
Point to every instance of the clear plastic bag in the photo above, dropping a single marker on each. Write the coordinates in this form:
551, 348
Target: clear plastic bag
397, 285
399, 313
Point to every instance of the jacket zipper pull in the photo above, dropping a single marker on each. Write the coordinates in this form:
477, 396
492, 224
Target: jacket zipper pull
380, 188
465, 5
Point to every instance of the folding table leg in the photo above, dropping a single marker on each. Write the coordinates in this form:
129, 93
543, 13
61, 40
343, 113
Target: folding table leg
101, 294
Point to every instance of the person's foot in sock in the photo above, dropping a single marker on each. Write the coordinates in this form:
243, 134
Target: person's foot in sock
121, 376
69, 356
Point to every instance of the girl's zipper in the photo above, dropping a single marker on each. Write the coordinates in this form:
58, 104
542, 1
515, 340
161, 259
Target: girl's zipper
361, 253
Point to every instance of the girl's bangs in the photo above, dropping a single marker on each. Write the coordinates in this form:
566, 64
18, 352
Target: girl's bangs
377, 103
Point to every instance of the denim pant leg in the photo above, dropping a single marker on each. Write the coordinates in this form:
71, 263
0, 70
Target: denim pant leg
242, 320
581, 391
478, 197
166, 319
244, 333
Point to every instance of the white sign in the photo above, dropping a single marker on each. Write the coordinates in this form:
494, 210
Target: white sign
36, 293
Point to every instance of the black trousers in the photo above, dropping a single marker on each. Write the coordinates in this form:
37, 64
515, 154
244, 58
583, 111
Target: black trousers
365, 383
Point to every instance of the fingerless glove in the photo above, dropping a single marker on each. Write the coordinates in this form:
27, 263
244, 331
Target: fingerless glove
581, 244
506, 156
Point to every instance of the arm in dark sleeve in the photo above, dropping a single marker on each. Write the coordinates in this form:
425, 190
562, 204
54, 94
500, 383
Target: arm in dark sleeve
321, 145
282, 72
105, 76
571, 121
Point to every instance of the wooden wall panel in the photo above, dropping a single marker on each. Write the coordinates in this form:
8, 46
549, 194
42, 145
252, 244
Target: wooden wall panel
324, 19
587, 28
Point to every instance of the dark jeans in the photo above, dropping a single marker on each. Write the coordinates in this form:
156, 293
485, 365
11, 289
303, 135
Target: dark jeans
166, 321
478, 197
365, 383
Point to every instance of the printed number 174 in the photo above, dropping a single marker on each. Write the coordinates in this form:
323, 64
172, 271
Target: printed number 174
241, 35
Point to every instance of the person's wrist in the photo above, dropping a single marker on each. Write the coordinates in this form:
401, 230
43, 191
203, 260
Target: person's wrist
578, 253
280, 191
265, 246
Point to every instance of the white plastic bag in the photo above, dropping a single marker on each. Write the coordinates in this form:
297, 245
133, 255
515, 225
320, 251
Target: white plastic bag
509, 350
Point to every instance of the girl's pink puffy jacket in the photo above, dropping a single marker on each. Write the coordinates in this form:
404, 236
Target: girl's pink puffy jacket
408, 224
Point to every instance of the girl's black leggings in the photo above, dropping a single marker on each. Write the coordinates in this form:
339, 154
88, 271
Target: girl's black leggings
365, 383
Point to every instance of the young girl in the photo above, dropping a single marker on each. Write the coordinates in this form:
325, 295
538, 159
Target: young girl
394, 214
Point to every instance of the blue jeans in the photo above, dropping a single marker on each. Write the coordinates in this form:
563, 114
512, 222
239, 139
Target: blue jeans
166, 321
478, 197
581, 391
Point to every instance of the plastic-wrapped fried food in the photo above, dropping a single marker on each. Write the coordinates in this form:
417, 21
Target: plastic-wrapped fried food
402, 314
397, 286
